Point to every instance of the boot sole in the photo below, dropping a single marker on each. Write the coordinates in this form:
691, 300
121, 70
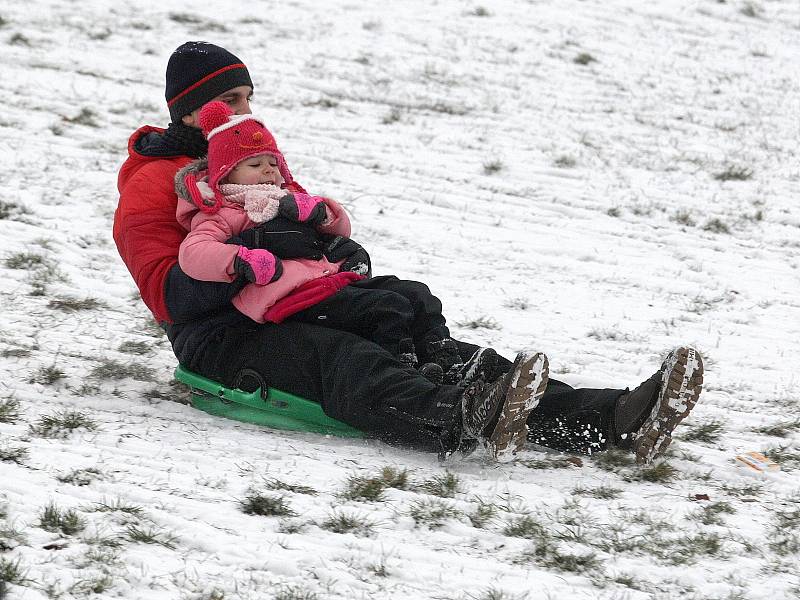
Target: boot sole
681, 384
528, 382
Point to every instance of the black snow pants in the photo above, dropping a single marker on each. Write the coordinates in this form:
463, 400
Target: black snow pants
361, 384
383, 310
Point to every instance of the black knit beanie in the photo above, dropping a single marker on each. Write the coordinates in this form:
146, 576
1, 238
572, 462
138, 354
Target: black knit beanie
198, 72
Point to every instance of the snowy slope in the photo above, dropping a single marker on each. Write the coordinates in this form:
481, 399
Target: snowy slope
597, 180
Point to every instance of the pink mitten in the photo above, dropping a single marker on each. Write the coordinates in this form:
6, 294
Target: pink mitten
258, 266
303, 208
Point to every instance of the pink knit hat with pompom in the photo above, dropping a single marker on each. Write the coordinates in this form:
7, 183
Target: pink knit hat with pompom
231, 139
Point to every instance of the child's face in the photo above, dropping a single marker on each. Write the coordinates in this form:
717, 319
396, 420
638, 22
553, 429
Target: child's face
257, 169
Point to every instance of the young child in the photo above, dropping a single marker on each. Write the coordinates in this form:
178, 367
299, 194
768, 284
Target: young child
245, 181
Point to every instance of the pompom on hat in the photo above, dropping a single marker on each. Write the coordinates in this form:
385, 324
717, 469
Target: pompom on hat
231, 139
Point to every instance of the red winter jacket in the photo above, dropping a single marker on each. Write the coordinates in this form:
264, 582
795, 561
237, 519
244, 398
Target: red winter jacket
146, 231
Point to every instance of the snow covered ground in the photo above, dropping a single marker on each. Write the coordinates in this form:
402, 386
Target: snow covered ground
600, 180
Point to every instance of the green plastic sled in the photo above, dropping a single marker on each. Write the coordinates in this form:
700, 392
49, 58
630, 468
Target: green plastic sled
270, 408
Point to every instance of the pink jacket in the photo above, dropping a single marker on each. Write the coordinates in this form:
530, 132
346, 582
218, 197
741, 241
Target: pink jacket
204, 255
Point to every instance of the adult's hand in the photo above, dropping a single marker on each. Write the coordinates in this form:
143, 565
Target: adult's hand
355, 258
283, 237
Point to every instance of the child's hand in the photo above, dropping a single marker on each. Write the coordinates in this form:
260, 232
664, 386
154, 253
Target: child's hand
258, 266
303, 208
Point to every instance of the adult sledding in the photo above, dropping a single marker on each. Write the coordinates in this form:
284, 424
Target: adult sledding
356, 374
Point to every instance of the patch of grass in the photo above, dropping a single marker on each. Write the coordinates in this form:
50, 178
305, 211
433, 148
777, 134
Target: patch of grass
294, 592
751, 9
734, 173
150, 535
9, 410
25, 260
601, 492
11, 573
15, 353
47, 375
368, 489
481, 322
661, 472
54, 520
134, 347
518, 303
115, 370
748, 490
118, 505
15, 454
371, 489
291, 526
432, 513
342, 522
711, 513
393, 116
545, 552
493, 166
565, 162
483, 514
705, 433
81, 477
782, 429
716, 225
561, 462
614, 211
185, 18
584, 58
69, 304
266, 505
86, 117
96, 584
323, 103
60, 425
613, 459
784, 533
10, 538
444, 486
295, 488
788, 458
684, 217
526, 527
12, 210
493, 593
686, 549
19, 40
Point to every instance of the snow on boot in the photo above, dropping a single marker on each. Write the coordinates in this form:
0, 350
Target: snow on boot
433, 373
481, 365
645, 418
496, 414
406, 353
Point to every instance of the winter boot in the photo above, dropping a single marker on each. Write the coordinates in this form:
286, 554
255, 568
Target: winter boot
433, 373
444, 352
643, 420
496, 414
406, 353
481, 365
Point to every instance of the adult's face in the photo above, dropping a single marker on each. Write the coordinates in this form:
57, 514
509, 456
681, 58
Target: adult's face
237, 98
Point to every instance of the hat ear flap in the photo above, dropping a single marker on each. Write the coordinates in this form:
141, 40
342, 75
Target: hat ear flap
201, 194
214, 114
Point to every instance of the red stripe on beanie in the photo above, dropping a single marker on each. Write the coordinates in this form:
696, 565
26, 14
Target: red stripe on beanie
204, 79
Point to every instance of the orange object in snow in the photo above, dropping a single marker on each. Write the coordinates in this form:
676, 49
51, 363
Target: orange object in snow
757, 462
